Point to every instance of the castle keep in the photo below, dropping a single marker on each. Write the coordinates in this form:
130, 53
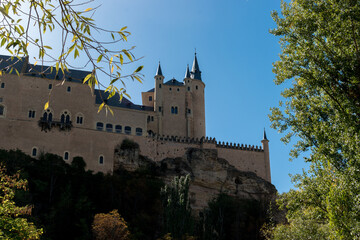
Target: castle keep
170, 120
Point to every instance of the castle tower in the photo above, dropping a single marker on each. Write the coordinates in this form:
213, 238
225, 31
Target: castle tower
265, 145
196, 98
188, 104
158, 98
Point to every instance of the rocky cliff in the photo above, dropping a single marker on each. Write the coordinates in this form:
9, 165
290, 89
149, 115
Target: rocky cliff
210, 175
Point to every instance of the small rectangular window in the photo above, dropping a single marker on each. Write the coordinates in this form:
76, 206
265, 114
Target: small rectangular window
1, 99
99, 126
1, 110
128, 130
138, 131
68, 89
159, 109
118, 128
160, 85
150, 98
50, 86
2, 85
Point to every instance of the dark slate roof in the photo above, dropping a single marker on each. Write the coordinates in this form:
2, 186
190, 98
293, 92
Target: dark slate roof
265, 138
195, 71
174, 82
159, 72
101, 95
151, 90
22, 66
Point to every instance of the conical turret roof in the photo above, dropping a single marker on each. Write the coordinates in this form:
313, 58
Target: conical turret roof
159, 72
187, 74
195, 71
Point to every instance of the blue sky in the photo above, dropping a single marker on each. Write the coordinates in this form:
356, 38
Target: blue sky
235, 52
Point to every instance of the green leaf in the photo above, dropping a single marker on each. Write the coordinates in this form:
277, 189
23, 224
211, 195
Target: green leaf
139, 69
99, 58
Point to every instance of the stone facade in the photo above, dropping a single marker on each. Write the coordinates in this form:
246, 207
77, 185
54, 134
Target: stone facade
170, 120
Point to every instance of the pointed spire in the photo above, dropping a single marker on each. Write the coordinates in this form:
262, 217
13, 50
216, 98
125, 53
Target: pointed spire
159, 72
265, 138
195, 71
187, 74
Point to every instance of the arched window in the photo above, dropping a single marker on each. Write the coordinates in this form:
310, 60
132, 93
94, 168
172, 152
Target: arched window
176, 110
172, 110
50, 117
128, 130
65, 117
68, 89
45, 115
99, 126
2, 110
79, 119
31, 114
138, 131
101, 159
34, 152
2, 85
160, 85
66, 155
196, 87
109, 127
118, 128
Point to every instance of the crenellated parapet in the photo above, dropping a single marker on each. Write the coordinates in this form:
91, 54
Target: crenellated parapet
199, 142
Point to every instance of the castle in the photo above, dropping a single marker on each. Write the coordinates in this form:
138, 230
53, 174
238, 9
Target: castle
170, 120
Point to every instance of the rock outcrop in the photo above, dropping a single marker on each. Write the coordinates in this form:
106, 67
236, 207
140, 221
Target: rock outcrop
210, 175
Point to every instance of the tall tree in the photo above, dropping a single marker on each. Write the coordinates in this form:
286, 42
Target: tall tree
320, 41
177, 210
25, 24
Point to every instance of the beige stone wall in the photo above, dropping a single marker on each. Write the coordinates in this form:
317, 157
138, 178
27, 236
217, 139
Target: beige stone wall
18, 131
146, 97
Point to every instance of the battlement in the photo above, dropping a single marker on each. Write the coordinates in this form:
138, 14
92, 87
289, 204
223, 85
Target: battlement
206, 140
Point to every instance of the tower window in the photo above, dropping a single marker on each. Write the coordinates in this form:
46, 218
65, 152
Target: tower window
196, 87
188, 88
128, 130
109, 127
66, 155
148, 118
138, 131
160, 109
152, 118
50, 86
99, 126
189, 110
68, 89
101, 160
160, 85
34, 152
178, 90
118, 128
2, 85
176, 110
150, 98
172, 110
170, 89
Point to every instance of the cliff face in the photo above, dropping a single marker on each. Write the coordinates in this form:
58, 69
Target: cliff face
210, 175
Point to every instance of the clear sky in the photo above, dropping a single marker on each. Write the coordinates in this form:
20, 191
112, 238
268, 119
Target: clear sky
235, 52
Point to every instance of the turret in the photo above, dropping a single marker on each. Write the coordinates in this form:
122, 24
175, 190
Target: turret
158, 97
265, 144
195, 88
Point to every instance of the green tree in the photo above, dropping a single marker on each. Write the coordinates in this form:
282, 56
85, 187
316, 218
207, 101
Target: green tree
177, 211
110, 226
12, 224
73, 21
321, 57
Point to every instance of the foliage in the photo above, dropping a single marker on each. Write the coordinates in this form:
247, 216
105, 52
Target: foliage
320, 54
128, 144
12, 224
177, 211
25, 24
110, 226
66, 196
227, 217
